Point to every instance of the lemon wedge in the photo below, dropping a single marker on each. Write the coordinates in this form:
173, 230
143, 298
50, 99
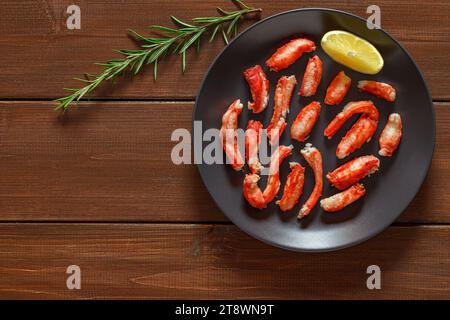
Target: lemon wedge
352, 51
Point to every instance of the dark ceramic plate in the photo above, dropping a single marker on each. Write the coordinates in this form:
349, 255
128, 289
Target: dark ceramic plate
389, 191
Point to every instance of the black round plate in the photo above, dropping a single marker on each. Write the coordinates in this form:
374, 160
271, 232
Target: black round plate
389, 191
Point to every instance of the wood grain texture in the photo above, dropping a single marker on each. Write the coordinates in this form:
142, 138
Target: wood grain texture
33, 33
205, 261
110, 161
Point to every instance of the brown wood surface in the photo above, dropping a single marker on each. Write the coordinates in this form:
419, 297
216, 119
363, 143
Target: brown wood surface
207, 261
96, 187
40, 56
111, 162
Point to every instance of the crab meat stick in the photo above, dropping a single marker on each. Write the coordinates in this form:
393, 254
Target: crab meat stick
252, 192
293, 188
259, 87
360, 133
252, 141
379, 89
338, 88
352, 171
391, 135
283, 94
273, 182
314, 158
342, 199
311, 78
228, 135
289, 53
305, 121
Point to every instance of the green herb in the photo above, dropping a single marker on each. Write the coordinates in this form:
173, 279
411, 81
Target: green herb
175, 40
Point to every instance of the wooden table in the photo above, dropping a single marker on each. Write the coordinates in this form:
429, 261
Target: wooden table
96, 187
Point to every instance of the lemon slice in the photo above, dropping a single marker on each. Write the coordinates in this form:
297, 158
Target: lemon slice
352, 51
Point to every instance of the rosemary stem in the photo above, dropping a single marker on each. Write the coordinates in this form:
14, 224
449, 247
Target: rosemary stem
154, 49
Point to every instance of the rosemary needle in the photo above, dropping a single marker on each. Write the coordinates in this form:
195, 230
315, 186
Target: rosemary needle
175, 40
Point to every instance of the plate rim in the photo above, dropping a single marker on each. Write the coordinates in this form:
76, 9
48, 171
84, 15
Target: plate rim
376, 231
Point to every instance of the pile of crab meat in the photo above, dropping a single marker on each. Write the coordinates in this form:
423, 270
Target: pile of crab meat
346, 178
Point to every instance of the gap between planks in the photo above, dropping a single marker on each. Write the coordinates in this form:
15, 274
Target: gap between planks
130, 100
139, 100
108, 100
185, 223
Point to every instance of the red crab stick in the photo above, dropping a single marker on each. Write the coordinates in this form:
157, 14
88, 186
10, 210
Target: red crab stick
353, 171
390, 136
342, 199
259, 87
337, 89
289, 53
252, 192
305, 121
311, 78
273, 182
283, 93
379, 89
314, 158
252, 141
228, 135
360, 133
293, 188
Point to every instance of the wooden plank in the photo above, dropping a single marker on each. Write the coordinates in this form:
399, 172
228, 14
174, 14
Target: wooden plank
206, 261
40, 56
110, 161
115, 158
431, 203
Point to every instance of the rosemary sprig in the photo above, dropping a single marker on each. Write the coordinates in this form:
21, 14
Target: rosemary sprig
175, 40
